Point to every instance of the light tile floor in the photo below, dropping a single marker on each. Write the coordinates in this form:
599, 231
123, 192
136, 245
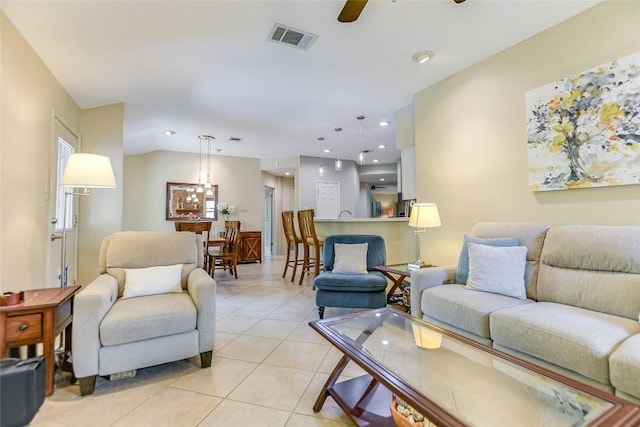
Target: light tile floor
268, 368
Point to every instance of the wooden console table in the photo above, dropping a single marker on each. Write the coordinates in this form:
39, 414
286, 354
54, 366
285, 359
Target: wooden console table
43, 315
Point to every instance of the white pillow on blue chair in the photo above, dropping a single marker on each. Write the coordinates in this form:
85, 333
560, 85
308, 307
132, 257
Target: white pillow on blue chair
350, 258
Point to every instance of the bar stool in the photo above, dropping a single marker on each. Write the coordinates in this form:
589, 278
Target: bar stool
309, 240
292, 239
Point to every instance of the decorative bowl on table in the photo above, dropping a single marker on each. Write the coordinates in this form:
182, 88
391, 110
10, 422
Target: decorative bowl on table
405, 416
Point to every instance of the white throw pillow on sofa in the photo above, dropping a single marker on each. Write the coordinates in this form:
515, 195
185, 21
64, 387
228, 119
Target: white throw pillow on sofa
350, 258
499, 270
163, 279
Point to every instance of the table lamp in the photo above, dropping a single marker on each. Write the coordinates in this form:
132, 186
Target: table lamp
86, 171
423, 216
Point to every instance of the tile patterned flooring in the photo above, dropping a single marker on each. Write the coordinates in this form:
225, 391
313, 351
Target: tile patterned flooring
268, 368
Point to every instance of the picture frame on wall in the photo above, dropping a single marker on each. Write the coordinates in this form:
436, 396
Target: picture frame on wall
584, 130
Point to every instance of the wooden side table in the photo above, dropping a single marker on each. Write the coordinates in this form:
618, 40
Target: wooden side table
43, 315
396, 273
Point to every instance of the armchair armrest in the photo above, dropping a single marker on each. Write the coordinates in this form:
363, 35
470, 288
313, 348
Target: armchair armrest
202, 289
426, 278
89, 308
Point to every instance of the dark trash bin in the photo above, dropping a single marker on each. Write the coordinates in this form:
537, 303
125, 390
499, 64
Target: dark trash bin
21, 390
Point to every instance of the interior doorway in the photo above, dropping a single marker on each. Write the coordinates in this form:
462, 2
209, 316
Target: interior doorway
267, 240
63, 210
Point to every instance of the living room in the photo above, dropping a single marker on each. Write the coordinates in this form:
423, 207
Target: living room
469, 132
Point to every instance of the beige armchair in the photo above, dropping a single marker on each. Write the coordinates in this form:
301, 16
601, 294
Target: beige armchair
122, 323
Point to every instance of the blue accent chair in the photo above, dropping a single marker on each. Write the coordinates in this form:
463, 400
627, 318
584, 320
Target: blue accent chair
352, 290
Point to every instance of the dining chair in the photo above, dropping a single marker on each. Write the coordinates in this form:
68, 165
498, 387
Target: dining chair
198, 227
292, 238
228, 256
309, 240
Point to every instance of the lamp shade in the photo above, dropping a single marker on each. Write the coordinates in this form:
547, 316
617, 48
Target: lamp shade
88, 170
424, 215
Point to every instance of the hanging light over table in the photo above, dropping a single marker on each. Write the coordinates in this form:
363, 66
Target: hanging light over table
207, 186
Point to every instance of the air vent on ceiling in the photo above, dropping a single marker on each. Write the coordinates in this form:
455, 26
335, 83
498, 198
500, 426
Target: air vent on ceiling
287, 35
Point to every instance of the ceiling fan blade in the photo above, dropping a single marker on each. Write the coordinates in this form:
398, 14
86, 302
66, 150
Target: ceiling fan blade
351, 10
459, 1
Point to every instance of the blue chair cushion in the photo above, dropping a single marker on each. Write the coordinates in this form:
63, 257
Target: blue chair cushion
372, 282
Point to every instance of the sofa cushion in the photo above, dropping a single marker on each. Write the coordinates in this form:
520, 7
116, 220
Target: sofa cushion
570, 337
592, 267
372, 282
498, 270
463, 308
142, 318
350, 258
162, 279
624, 365
530, 234
462, 272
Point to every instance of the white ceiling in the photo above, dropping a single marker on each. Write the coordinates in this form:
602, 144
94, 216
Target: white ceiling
206, 67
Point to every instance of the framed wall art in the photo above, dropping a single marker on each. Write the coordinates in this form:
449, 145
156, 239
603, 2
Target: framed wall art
584, 130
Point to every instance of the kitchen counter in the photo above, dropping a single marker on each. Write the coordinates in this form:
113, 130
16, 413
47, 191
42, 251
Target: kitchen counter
352, 219
398, 236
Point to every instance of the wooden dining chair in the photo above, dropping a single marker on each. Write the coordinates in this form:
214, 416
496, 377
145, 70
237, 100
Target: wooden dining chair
198, 227
310, 242
228, 256
292, 238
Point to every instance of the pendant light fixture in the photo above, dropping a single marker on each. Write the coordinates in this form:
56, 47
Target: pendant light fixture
338, 163
200, 189
207, 186
321, 168
361, 154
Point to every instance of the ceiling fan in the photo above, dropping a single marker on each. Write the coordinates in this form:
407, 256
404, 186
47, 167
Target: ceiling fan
352, 9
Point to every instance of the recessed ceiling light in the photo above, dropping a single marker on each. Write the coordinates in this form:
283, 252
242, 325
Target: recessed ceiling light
385, 123
287, 173
327, 150
422, 56
169, 132
381, 179
375, 160
382, 146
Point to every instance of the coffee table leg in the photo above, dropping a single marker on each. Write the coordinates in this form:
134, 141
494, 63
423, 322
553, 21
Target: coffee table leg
322, 397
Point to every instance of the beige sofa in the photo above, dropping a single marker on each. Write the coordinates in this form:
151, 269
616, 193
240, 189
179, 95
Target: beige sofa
121, 324
580, 316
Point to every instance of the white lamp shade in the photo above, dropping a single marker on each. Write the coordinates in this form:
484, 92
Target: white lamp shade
424, 215
88, 170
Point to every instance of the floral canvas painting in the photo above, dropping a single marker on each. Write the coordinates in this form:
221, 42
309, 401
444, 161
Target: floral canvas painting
584, 130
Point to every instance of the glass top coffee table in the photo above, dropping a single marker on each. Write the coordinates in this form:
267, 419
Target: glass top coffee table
452, 380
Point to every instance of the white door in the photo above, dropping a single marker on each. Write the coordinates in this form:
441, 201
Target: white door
327, 199
64, 144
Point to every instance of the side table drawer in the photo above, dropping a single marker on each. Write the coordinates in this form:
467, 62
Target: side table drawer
25, 327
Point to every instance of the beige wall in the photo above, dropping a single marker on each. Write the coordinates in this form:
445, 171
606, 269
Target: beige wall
471, 135
100, 213
239, 182
31, 97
